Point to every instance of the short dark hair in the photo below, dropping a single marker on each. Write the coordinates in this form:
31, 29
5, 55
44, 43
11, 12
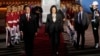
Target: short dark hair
53, 6
26, 6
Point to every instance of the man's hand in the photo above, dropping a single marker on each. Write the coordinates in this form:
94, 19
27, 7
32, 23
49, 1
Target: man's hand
21, 32
64, 19
36, 34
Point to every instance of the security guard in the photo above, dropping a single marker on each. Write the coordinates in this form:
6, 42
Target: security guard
95, 22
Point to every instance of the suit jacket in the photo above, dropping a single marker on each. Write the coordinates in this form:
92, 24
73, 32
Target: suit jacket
85, 22
36, 8
28, 27
62, 14
51, 26
38, 15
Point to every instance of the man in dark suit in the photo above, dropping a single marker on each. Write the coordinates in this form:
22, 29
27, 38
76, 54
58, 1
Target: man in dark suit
62, 11
28, 29
37, 10
81, 24
54, 28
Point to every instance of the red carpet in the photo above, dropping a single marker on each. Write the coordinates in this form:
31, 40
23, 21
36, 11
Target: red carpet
42, 44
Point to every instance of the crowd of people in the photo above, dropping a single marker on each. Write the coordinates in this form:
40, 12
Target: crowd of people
77, 25
25, 20
12, 24
12, 21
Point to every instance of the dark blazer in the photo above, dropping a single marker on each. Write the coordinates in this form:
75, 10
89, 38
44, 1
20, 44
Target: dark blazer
62, 14
38, 15
85, 22
37, 8
50, 25
28, 26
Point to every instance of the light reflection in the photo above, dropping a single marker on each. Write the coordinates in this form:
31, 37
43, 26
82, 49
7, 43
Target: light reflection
3, 9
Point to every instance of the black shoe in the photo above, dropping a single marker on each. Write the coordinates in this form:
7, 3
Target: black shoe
10, 46
74, 43
55, 55
82, 48
76, 46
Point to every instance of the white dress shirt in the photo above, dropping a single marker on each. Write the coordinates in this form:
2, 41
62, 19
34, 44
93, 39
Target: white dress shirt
54, 17
28, 15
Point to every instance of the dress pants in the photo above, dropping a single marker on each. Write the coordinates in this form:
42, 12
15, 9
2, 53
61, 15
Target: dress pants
28, 42
81, 34
55, 41
96, 35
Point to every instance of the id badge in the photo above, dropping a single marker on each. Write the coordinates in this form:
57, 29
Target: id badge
93, 20
95, 28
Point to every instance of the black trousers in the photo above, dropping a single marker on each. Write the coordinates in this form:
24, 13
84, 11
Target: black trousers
82, 35
55, 41
28, 43
96, 35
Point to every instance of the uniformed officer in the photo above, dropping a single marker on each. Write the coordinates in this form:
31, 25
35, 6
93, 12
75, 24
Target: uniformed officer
95, 22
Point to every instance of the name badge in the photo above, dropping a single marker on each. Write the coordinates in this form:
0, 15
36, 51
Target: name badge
93, 20
95, 28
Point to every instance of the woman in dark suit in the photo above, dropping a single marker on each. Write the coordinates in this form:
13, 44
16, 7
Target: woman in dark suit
54, 28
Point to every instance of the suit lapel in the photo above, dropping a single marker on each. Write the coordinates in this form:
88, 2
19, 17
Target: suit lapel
56, 17
51, 18
77, 17
25, 17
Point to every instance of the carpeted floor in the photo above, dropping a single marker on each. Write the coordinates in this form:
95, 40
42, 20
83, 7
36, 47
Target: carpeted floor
42, 44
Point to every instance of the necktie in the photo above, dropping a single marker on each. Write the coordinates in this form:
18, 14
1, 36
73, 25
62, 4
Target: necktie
80, 18
27, 17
